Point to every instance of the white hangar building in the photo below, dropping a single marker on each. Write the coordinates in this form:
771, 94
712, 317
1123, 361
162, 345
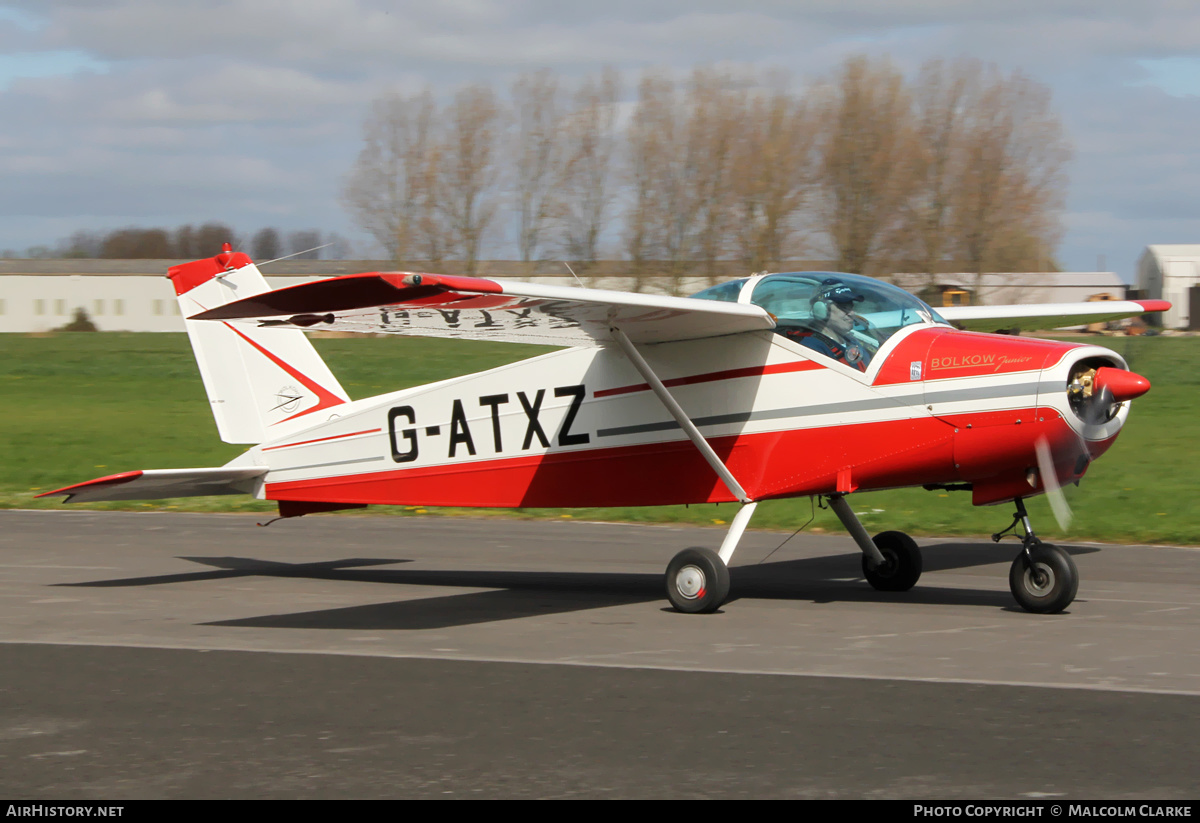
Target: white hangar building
117, 295
1007, 288
1167, 273
135, 295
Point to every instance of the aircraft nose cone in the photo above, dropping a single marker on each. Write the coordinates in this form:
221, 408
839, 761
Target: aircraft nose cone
1123, 385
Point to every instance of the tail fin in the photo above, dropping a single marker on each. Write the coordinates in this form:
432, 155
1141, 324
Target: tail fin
261, 383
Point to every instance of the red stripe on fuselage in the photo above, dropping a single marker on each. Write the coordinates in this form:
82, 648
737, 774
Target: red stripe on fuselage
995, 455
771, 464
728, 374
320, 439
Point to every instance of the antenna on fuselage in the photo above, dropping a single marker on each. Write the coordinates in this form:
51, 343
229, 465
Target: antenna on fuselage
294, 254
573, 274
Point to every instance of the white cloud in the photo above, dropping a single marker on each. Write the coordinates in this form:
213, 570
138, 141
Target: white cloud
143, 110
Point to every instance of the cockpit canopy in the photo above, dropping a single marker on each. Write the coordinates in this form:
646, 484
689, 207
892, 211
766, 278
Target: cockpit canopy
790, 297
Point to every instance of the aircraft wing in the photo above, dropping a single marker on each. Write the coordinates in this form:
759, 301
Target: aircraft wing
435, 305
1047, 315
153, 484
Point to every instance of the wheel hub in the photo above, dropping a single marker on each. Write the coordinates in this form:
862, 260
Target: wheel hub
689, 582
889, 565
1039, 580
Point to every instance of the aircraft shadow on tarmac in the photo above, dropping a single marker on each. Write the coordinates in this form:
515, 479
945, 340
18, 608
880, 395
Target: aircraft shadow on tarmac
517, 594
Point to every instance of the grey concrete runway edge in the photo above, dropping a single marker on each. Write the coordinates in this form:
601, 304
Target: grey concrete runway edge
196, 656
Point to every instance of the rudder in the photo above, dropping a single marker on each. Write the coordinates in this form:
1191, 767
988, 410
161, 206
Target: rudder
261, 383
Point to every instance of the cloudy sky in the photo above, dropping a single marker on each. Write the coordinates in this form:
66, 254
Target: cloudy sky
141, 112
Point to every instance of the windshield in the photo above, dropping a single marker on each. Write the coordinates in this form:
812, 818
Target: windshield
838, 313
726, 292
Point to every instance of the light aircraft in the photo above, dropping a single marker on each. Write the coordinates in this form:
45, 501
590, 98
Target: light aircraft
747, 391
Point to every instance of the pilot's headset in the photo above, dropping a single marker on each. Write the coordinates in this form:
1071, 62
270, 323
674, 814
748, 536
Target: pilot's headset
833, 292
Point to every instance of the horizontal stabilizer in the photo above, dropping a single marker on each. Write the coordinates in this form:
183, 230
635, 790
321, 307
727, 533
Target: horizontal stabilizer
435, 305
157, 484
1047, 315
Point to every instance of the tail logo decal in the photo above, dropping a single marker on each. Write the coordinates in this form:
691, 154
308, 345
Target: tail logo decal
289, 398
287, 395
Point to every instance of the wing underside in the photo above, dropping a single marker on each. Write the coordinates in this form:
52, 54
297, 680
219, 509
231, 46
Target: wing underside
506, 311
1047, 315
156, 484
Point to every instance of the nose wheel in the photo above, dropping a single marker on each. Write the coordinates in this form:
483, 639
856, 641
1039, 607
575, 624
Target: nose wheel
1043, 578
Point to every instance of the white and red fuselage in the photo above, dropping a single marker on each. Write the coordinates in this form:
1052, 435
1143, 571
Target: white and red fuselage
580, 427
785, 385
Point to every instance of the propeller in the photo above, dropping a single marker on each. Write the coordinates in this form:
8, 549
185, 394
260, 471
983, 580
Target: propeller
1096, 394
1054, 493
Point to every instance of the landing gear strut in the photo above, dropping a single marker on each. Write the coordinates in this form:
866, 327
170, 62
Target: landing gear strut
698, 579
1043, 577
891, 560
901, 566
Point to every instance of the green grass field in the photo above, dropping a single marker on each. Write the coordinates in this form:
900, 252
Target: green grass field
77, 406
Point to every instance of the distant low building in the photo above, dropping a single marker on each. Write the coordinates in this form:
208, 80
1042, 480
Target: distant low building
1009, 288
135, 295
1167, 272
117, 295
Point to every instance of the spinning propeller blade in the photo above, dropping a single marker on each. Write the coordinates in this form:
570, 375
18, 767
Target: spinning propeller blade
1054, 492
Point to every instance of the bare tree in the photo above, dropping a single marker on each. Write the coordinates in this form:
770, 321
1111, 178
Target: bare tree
303, 245
591, 140
339, 247
672, 149
942, 98
81, 244
469, 171
210, 237
205, 241
962, 168
716, 113
648, 142
266, 245
537, 151
185, 243
772, 166
866, 131
392, 189
133, 243
1013, 183
430, 234
679, 166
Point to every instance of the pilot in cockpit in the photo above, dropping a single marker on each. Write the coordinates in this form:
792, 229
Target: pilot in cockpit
831, 331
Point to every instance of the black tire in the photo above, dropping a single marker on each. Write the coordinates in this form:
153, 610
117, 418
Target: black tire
697, 581
1052, 583
902, 563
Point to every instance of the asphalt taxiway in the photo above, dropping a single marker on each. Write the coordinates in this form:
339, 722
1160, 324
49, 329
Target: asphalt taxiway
194, 656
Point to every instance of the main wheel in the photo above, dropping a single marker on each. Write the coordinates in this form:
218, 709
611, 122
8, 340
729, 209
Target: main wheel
1050, 585
697, 581
901, 567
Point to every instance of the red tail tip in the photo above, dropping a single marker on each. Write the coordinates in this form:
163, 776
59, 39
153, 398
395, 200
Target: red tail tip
226, 255
190, 275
